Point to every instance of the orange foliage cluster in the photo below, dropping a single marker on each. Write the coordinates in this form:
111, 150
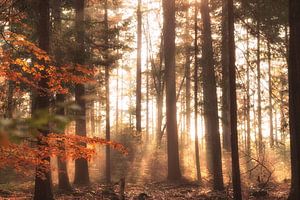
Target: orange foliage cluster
28, 155
25, 63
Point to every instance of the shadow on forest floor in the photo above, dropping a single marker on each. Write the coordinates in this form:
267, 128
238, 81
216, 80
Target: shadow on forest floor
152, 191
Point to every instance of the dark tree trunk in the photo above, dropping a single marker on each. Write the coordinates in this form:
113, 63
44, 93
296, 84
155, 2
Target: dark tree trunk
259, 118
138, 69
63, 178
248, 142
43, 185
225, 80
81, 164
196, 51
188, 80
169, 54
236, 180
210, 101
9, 100
107, 99
294, 96
270, 95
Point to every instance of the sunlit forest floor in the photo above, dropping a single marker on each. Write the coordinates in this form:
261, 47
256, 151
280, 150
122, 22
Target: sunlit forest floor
144, 170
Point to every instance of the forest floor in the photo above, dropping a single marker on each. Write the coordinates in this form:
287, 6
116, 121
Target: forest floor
152, 191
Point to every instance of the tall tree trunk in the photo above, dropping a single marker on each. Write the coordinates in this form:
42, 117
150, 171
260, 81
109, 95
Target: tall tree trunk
169, 54
138, 69
294, 96
270, 95
225, 80
63, 178
196, 51
9, 100
210, 101
236, 180
43, 185
248, 106
188, 79
107, 99
81, 164
259, 118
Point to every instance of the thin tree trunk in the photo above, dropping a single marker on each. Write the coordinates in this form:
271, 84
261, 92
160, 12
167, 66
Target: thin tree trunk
248, 106
138, 69
196, 51
259, 118
107, 99
270, 95
188, 79
169, 54
236, 180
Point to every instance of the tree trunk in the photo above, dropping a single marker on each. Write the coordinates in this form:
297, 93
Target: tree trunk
138, 69
169, 54
225, 80
210, 101
43, 185
236, 180
196, 51
294, 96
107, 99
188, 81
270, 95
81, 164
260, 142
248, 145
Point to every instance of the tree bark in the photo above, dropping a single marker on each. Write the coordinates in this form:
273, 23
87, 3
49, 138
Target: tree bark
210, 101
196, 51
43, 185
259, 118
270, 95
294, 96
81, 164
236, 180
174, 172
225, 80
107, 99
138, 69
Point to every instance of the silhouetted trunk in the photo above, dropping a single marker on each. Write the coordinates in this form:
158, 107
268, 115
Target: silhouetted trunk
169, 54
43, 185
210, 101
260, 142
188, 81
225, 80
9, 100
196, 51
294, 96
236, 180
138, 69
81, 164
63, 178
270, 95
107, 99
248, 105
159, 110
